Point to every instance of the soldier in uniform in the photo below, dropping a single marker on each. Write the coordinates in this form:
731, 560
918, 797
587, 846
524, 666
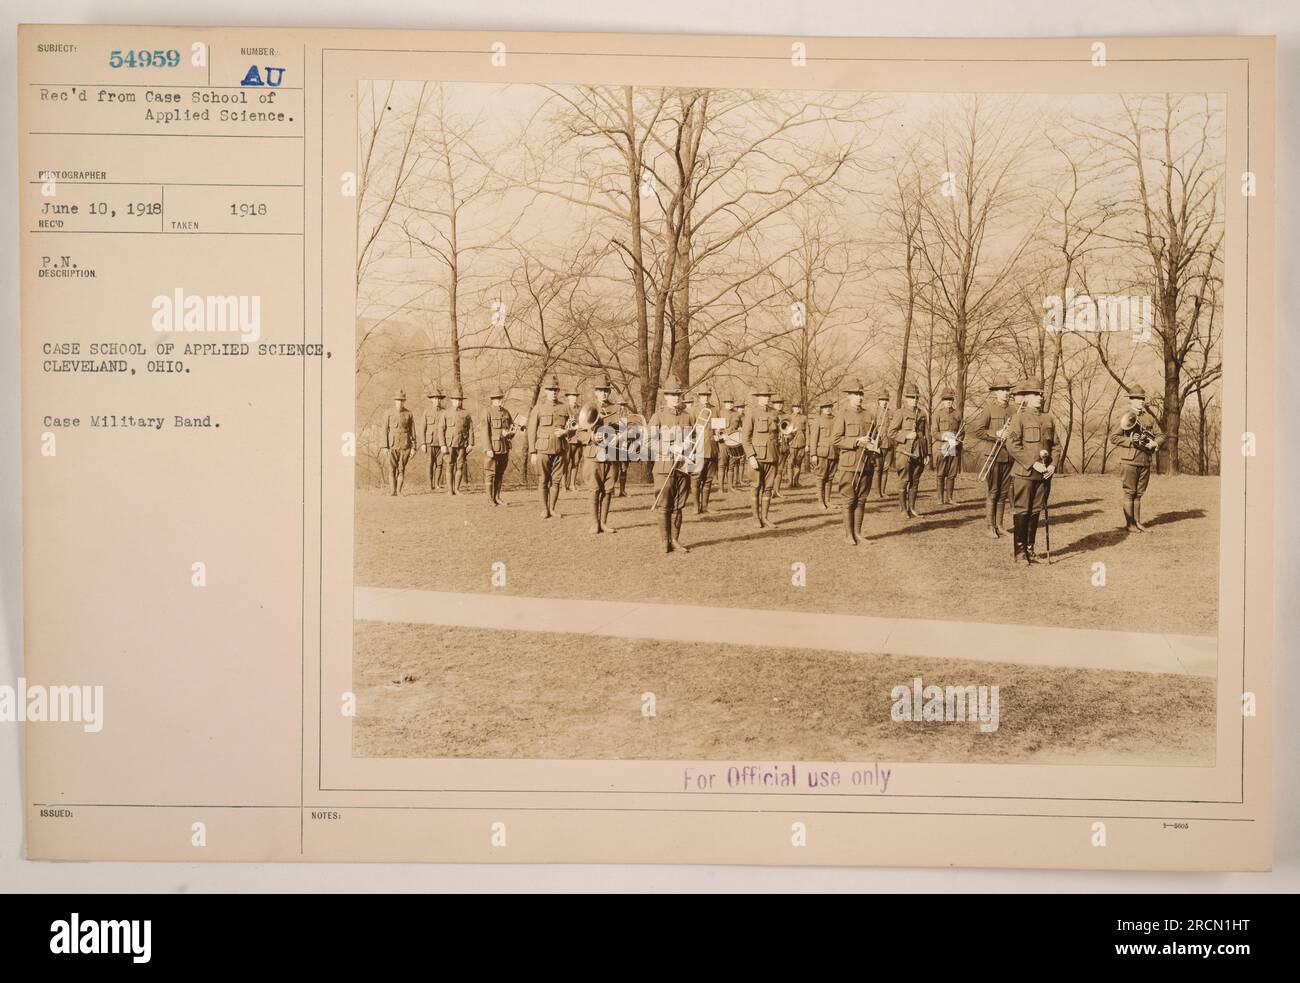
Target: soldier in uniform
547, 445
1031, 441
572, 449
672, 439
851, 437
735, 421
399, 441
497, 434
886, 445
759, 436
724, 462
620, 466
946, 453
883, 414
777, 403
825, 455
798, 447
708, 451
909, 433
596, 438
1140, 435
430, 438
991, 427
457, 441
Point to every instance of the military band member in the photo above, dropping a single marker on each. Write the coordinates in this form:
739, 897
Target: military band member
399, 441
991, 428
620, 466
825, 455
547, 445
883, 414
498, 431
734, 424
708, 452
726, 462
909, 433
1140, 435
1031, 441
430, 438
947, 450
760, 436
777, 403
596, 435
572, 449
457, 430
672, 439
852, 437
798, 447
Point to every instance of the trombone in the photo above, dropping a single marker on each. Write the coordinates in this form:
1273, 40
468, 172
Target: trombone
872, 446
996, 449
680, 456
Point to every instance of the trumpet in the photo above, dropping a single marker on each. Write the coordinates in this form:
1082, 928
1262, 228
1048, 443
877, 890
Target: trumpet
517, 426
787, 428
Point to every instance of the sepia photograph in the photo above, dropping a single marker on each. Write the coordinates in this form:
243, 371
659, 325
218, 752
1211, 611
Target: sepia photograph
831, 425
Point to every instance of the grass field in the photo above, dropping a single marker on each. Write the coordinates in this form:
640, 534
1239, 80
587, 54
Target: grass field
426, 691
939, 566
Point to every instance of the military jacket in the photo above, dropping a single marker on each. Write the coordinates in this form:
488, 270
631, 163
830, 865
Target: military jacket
543, 421
496, 422
988, 422
945, 420
905, 421
399, 431
1134, 452
821, 441
672, 437
1033, 435
759, 433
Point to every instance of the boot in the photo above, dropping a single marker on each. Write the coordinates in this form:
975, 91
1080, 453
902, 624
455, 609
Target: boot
823, 496
705, 494
941, 486
952, 490
862, 514
604, 512
758, 510
1018, 534
767, 509
851, 525
666, 528
677, 533
595, 514
555, 499
1000, 513
911, 502
1137, 514
1031, 537
902, 501
1128, 513
991, 513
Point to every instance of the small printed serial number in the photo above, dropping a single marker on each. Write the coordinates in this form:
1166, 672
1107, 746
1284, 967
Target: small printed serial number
157, 58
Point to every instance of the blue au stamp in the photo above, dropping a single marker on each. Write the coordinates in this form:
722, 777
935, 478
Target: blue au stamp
266, 76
